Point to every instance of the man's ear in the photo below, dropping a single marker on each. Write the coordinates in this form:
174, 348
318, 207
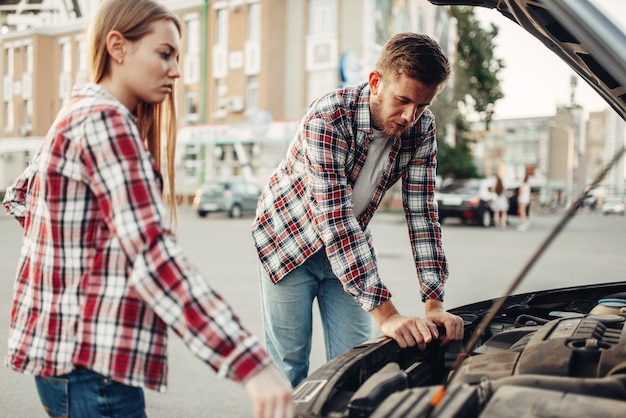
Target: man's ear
116, 46
374, 82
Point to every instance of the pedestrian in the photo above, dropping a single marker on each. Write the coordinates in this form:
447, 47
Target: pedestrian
523, 200
500, 205
100, 275
311, 226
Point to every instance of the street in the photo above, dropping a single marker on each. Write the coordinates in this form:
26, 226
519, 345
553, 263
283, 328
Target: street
483, 262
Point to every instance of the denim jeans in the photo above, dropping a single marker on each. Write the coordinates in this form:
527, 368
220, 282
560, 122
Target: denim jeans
86, 394
287, 309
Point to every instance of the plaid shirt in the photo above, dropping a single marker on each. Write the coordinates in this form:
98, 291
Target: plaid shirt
307, 203
100, 277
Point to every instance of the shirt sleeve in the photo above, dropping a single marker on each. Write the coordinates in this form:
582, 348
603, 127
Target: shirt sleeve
16, 195
349, 252
418, 191
123, 178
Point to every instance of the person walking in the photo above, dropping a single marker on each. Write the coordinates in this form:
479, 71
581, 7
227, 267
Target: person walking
100, 276
500, 205
311, 226
523, 202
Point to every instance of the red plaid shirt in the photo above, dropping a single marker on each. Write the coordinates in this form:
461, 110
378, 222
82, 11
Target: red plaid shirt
307, 204
100, 276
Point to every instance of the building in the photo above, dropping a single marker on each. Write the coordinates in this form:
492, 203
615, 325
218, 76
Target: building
563, 153
249, 69
605, 137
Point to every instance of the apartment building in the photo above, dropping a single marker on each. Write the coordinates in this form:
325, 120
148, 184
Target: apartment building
249, 70
562, 153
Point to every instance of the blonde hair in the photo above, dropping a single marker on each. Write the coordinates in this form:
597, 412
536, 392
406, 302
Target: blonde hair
133, 19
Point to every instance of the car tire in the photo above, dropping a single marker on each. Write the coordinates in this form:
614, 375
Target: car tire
235, 212
202, 213
486, 218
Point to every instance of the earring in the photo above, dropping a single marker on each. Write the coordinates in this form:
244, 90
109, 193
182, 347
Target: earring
120, 60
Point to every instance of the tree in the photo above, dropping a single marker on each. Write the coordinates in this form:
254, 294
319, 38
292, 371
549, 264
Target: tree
475, 91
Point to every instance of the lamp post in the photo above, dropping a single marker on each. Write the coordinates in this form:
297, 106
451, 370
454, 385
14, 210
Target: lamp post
569, 162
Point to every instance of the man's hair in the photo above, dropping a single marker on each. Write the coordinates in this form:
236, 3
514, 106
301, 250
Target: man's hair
418, 56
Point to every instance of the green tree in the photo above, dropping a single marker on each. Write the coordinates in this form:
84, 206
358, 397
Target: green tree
475, 91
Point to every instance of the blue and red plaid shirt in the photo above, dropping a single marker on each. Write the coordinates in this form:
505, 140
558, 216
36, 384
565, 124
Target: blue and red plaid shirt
307, 203
100, 276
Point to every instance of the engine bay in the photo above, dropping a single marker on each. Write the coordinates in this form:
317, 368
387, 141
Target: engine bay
550, 354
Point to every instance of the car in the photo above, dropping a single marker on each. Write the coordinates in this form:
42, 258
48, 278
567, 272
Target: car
468, 200
559, 352
234, 197
613, 206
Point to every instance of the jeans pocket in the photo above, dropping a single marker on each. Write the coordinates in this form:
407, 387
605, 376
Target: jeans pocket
123, 400
53, 393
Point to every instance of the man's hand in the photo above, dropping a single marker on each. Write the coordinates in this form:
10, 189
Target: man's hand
271, 394
407, 331
452, 323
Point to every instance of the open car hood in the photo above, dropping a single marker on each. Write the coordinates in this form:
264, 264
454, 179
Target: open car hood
575, 30
559, 353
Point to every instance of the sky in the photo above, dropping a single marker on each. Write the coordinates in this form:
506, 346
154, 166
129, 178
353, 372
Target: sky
529, 92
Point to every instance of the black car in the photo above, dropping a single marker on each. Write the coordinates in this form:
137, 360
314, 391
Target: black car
550, 353
468, 200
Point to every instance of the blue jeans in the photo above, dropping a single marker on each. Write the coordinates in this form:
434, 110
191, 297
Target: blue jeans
83, 393
288, 316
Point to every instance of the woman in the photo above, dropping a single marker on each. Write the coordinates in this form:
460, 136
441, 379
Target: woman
523, 200
500, 205
100, 276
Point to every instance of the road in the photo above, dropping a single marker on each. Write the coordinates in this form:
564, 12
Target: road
483, 262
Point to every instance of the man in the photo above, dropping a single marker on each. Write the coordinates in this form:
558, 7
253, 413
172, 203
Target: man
311, 229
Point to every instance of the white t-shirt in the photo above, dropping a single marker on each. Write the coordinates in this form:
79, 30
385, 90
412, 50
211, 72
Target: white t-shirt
372, 170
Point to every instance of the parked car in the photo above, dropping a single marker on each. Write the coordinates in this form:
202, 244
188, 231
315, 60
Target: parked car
613, 207
233, 197
468, 200
549, 353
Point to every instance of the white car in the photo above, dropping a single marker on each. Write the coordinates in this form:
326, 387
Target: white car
613, 207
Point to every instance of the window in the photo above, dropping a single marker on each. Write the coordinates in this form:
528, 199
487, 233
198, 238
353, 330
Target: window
252, 92
28, 114
27, 85
191, 73
7, 87
220, 48
323, 17
252, 46
8, 60
320, 82
221, 102
221, 27
81, 60
65, 73
322, 48
192, 106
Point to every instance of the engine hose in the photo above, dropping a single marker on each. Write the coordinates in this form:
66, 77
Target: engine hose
613, 387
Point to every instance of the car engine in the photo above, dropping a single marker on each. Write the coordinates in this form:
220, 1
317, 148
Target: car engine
531, 361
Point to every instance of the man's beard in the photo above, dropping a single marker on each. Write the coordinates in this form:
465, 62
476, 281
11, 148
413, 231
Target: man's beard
378, 124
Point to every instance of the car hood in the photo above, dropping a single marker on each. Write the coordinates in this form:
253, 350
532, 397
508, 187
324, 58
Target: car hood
575, 30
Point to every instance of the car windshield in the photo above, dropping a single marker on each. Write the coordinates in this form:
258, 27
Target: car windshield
461, 188
216, 188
